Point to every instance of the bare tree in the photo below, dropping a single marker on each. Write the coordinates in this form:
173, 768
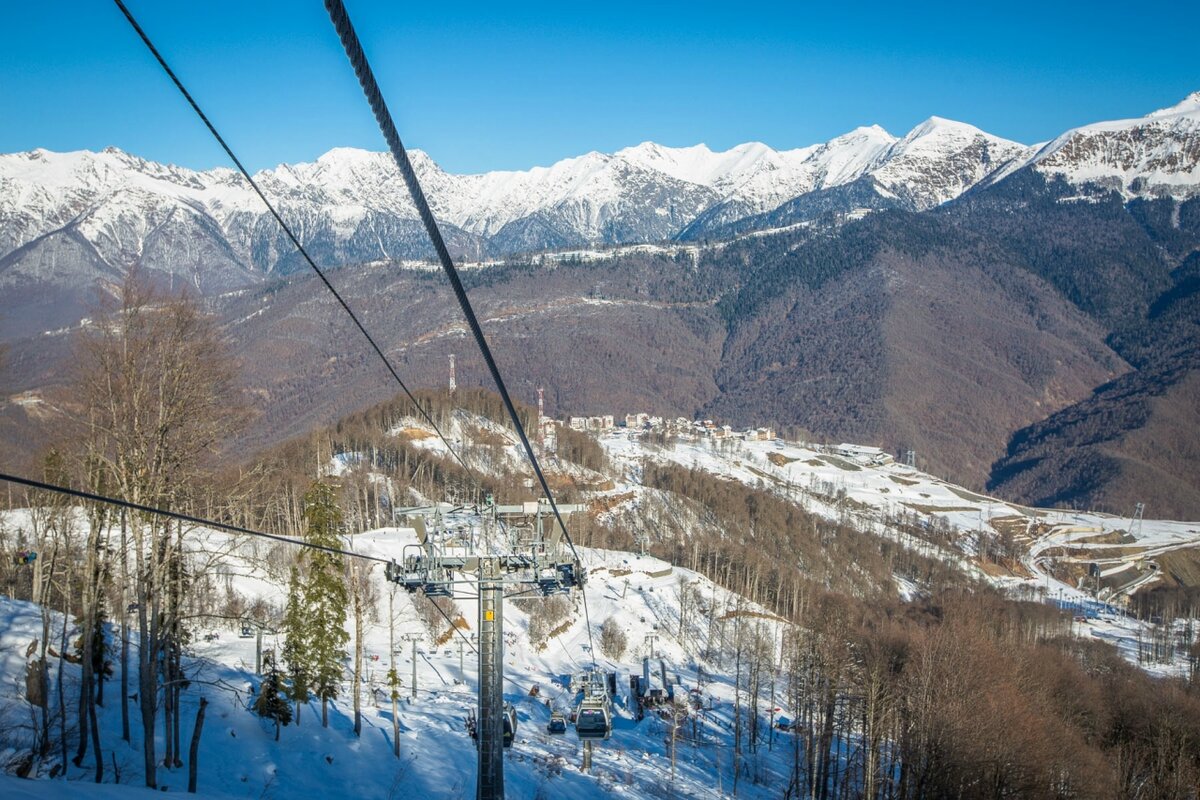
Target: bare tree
51, 520
364, 597
157, 387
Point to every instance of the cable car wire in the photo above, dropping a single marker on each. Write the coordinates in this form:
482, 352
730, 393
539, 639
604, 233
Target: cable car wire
354, 51
224, 526
288, 231
162, 512
366, 78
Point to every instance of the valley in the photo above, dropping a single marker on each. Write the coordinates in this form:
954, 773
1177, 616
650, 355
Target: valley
865, 468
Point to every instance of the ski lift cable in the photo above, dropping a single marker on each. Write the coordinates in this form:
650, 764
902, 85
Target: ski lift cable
454, 627
366, 78
290, 234
474, 650
162, 512
209, 523
350, 40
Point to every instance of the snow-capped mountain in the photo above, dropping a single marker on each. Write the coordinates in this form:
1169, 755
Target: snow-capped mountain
939, 160
869, 169
1157, 155
350, 205
769, 182
70, 218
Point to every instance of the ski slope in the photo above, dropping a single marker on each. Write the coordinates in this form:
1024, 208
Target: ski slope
238, 754
641, 595
867, 490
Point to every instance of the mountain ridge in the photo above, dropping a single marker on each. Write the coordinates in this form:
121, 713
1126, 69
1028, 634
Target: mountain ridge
1040, 273
646, 192
348, 205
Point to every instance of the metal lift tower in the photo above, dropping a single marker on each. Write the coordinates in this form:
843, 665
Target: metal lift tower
495, 556
490, 783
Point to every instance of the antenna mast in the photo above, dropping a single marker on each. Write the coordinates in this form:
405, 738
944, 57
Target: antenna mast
542, 417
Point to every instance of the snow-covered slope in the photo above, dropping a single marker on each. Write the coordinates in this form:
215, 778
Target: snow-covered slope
238, 756
643, 597
869, 169
939, 160
775, 178
871, 490
70, 218
1157, 155
350, 205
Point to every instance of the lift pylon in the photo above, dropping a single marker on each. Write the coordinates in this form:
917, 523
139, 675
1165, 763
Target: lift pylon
490, 783
491, 555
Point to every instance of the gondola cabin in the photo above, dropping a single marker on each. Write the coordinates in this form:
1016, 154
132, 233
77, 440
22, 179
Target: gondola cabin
593, 720
510, 724
557, 725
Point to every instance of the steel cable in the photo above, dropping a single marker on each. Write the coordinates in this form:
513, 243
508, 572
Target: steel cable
162, 512
288, 232
366, 78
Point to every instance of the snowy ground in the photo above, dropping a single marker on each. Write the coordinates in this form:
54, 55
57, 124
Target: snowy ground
866, 493
239, 758
857, 489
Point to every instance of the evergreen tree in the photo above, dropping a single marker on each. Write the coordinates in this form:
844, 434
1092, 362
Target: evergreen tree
270, 704
295, 643
325, 595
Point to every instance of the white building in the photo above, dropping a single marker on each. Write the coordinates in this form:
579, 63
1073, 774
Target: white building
863, 454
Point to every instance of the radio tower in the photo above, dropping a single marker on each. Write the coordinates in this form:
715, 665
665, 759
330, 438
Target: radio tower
1135, 524
453, 384
542, 417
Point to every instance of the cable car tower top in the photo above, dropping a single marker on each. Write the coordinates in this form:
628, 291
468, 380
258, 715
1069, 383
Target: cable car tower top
490, 547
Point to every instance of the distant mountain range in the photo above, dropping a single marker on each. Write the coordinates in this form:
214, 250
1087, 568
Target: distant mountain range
111, 209
1024, 315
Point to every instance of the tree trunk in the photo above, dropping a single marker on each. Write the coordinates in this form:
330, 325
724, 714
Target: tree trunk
194, 750
178, 692
62, 657
40, 592
392, 681
395, 725
176, 642
85, 662
737, 706
358, 602
147, 685
168, 760
124, 630
826, 746
96, 744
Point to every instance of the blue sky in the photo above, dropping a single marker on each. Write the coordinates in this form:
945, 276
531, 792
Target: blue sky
492, 86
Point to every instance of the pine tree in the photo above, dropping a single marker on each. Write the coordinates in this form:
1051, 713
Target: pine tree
295, 643
270, 704
325, 595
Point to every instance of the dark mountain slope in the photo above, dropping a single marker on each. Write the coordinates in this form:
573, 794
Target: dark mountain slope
1136, 439
904, 331
1097, 253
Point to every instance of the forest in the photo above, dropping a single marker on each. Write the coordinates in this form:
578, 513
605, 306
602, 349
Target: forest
957, 691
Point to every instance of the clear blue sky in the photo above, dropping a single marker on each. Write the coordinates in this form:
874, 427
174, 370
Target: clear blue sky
487, 86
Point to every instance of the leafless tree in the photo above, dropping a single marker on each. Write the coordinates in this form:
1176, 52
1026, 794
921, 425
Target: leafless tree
157, 388
364, 598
